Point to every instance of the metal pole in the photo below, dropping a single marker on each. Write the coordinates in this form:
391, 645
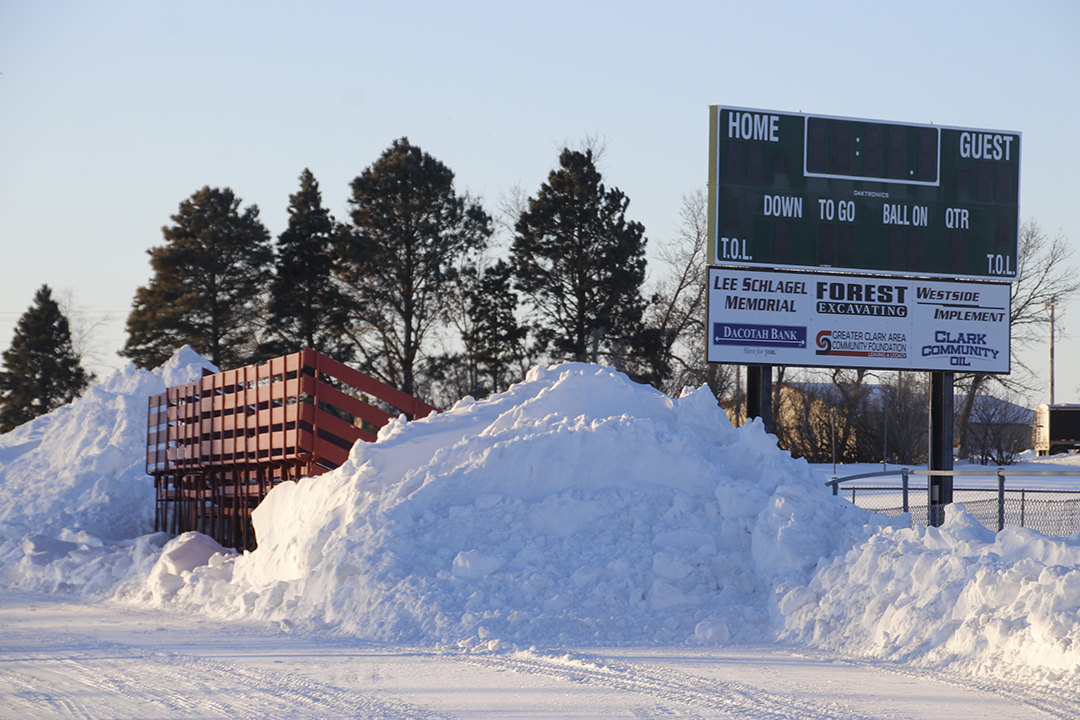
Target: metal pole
1052, 303
941, 450
832, 414
904, 475
1001, 500
759, 394
738, 394
885, 448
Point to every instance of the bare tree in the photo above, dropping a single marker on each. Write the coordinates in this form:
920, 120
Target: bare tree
805, 419
1043, 274
999, 428
86, 327
819, 414
905, 409
678, 306
858, 434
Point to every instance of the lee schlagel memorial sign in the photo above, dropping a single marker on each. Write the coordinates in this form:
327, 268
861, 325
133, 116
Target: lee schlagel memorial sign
810, 191
759, 317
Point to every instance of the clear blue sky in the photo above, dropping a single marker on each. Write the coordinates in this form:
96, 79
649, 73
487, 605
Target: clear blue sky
111, 113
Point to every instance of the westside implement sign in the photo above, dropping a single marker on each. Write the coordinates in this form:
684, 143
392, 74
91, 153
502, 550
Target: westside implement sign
759, 317
814, 192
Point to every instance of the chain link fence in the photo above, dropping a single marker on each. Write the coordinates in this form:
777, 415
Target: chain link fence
1050, 512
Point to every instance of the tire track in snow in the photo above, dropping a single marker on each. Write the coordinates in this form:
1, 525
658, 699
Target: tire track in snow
671, 686
1061, 705
746, 701
95, 679
23, 698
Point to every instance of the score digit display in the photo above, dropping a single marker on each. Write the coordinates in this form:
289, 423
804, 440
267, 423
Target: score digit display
814, 192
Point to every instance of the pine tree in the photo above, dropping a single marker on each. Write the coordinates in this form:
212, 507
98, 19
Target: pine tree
41, 371
410, 229
305, 307
581, 264
493, 338
209, 281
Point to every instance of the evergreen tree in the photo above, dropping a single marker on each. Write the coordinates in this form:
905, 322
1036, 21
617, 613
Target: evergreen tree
484, 307
41, 370
209, 281
493, 338
581, 264
305, 308
410, 230
481, 306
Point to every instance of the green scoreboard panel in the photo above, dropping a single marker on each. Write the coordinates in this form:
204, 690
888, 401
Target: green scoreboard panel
809, 191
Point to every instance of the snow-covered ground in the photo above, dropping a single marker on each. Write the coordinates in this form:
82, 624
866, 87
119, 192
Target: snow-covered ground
61, 658
579, 546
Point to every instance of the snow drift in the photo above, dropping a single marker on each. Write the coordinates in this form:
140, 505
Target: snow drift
75, 500
577, 508
82, 468
958, 595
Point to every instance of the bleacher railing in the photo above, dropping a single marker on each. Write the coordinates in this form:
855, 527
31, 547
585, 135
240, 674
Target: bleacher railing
215, 446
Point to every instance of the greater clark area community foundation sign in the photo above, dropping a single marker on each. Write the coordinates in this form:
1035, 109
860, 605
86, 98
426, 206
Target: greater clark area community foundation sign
792, 190
883, 322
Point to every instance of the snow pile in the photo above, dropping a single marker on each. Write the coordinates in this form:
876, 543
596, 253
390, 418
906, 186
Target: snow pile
575, 507
955, 595
75, 479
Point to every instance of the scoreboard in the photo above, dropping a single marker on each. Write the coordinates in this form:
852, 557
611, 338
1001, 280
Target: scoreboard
815, 192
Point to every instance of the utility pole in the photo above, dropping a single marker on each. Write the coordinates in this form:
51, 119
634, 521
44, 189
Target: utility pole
1051, 304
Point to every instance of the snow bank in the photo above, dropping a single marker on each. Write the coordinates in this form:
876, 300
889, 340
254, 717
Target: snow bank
77, 476
955, 595
575, 507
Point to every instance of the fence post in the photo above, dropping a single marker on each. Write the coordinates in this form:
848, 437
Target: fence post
1001, 499
835, 487
904, 475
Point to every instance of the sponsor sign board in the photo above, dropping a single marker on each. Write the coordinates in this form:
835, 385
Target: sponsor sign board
810, 191
814, 319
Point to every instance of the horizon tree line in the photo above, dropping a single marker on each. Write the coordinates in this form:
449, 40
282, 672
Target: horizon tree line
413, 291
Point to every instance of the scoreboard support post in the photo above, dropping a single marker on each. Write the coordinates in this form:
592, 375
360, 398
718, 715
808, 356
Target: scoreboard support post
940, 457
759, 394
